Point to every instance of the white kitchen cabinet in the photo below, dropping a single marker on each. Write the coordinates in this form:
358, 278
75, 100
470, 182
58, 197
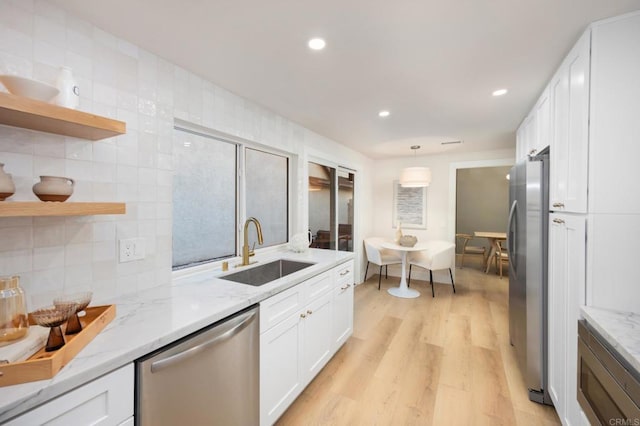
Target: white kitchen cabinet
297, 345
105, 401
281, 367
542, 123
521, 148
317, 336
569, 97
343, 304
614, 129
525, 137
533, 135
129, 422
566, 293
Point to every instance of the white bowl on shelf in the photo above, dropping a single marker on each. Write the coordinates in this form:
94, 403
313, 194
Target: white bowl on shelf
29, 88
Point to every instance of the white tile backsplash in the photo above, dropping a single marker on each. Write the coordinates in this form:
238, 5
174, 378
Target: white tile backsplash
120, 80
48, 257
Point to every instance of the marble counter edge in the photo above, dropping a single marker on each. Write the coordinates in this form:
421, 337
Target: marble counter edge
620, 329
94, 361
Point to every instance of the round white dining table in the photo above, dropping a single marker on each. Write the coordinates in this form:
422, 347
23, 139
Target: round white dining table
403, 289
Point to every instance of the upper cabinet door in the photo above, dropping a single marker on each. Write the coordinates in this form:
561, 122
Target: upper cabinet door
615, 116
525, 137
542, 124
569, 96
534, 133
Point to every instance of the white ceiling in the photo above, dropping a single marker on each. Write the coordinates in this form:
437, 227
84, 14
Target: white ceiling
432, 63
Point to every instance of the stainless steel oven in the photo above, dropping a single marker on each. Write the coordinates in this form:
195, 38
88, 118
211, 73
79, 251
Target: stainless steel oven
608, 388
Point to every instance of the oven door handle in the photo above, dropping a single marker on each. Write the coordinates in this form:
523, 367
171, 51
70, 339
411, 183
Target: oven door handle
237, 325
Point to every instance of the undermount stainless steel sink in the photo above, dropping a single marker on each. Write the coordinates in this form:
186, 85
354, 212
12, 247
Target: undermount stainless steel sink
266, 273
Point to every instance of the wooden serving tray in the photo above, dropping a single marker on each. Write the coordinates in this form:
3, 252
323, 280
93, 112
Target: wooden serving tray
44, 365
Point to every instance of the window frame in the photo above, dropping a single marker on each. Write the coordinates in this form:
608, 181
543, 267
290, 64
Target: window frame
314, 158
241, 145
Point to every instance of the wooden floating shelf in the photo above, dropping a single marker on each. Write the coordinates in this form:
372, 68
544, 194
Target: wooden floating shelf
36, 115
50, 208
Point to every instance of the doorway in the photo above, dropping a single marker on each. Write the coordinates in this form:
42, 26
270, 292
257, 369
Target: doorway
453, 184
482, 201
331, 212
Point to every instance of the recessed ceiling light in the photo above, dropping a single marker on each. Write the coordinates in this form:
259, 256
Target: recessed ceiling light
317, 44
383, 113
500, 92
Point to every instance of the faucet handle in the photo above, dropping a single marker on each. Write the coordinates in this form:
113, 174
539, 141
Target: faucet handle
252, 251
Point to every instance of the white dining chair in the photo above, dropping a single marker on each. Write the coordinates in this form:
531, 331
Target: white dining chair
380, 256
436, 256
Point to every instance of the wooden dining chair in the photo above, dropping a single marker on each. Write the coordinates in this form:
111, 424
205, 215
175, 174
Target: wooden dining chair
380, 256
437, 255
464, 239
501, 256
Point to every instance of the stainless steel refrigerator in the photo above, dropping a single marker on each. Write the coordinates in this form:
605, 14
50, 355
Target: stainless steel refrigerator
527, 238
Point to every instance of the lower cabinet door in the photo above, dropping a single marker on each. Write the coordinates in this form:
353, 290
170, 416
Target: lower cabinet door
567, 257
317, 336
342, 314
105, 401
281, 375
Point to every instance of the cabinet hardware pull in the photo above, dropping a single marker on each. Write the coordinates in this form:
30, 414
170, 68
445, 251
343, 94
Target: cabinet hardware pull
558, 221
345, 287
342, 274
303, 316
558, 204
309, 311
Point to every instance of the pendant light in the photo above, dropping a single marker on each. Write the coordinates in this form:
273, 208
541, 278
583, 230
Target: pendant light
415, 177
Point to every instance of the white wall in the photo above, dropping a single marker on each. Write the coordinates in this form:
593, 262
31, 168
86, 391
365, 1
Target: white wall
119, 80
440, 213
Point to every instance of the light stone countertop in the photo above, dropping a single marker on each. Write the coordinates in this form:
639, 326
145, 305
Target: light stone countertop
150, 319
620, 329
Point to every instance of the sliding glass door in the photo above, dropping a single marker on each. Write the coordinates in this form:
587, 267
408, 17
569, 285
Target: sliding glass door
331, 215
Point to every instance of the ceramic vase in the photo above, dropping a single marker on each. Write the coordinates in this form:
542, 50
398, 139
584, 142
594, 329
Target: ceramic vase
53, 188
69, 96
7, 187
398, 233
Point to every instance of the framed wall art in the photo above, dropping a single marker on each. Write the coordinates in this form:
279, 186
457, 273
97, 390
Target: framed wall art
409, 207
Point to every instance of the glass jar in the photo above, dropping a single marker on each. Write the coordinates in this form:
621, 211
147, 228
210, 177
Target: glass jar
14, 322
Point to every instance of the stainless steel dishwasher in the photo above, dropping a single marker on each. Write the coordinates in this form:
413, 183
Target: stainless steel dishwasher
207, 378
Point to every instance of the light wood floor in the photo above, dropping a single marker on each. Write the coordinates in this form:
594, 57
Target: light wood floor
426, 361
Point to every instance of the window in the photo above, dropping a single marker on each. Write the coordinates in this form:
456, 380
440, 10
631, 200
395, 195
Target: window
267, 190
208, 197
204, 215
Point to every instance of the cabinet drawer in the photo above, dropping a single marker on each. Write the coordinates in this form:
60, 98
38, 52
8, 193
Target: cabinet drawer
104, 401
318, 285
343, 274
277, 308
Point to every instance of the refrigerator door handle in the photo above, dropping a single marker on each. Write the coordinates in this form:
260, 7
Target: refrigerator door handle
511, 236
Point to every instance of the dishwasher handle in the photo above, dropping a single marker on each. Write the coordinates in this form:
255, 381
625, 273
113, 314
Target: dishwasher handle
242, 321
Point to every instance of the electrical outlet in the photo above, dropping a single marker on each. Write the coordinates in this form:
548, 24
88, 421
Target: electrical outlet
131, 249
127, 247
